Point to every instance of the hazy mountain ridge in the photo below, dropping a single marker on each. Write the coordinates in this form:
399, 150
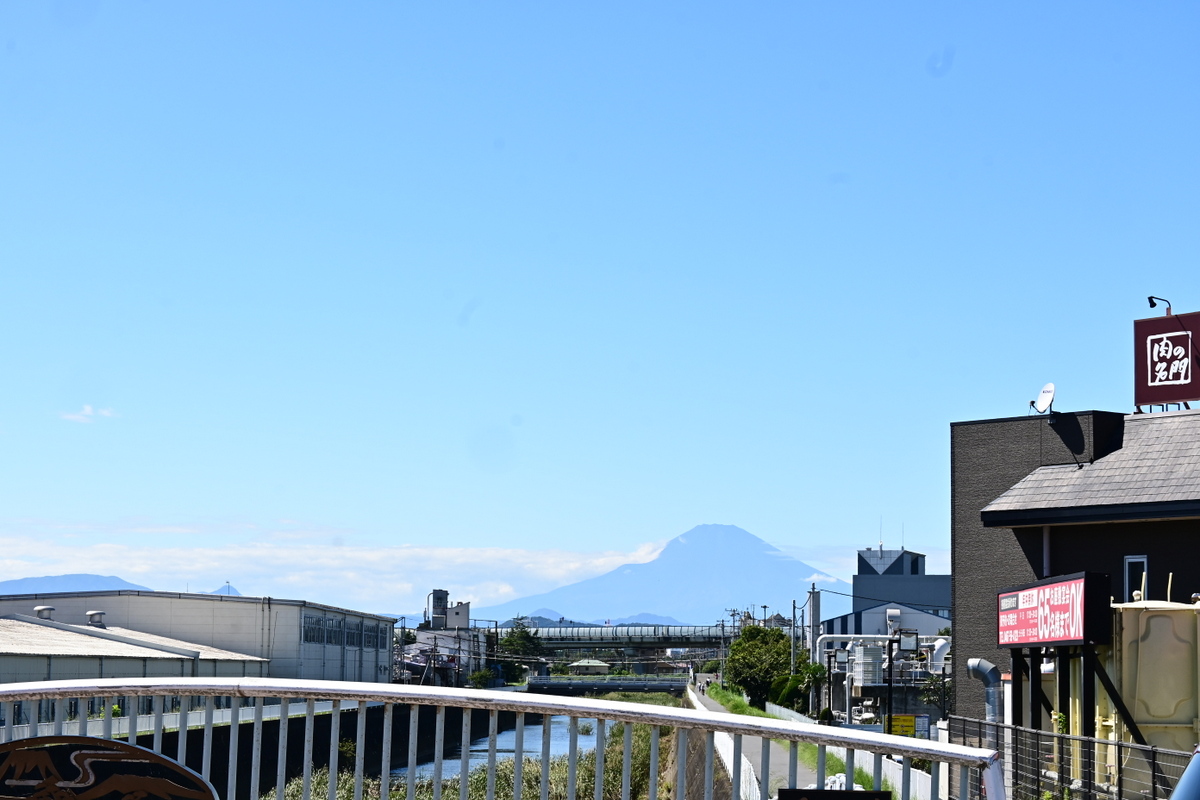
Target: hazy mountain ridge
75, 582
697, 577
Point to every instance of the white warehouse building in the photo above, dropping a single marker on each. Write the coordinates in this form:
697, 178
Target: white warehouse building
297, 638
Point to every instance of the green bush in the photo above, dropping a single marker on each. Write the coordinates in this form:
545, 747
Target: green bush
711, 666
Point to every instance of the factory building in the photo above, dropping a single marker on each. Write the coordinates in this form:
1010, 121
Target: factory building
38, 648
299, 639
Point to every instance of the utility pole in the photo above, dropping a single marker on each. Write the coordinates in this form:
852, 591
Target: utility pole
793, 638
814, 631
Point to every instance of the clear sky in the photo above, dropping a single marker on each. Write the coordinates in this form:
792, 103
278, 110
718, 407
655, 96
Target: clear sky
347, 301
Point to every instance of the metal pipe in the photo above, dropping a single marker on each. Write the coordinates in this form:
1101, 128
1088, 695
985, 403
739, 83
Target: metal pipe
987, 672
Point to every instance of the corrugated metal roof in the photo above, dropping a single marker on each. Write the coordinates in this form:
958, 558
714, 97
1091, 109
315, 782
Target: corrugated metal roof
222, 598
206, 653
1158, 463
25, 636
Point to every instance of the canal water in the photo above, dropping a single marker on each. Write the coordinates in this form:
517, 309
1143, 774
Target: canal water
505, 744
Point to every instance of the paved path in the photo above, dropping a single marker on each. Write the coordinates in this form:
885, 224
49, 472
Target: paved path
752, 748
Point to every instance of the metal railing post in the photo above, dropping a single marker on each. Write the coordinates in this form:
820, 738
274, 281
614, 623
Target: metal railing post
385, 769
206, 762
235, 721
335, 739
360, 749
281, 764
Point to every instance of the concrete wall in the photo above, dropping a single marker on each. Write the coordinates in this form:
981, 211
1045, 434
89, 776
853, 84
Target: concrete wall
986, 459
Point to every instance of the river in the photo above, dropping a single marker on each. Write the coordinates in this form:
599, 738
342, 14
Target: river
505, 747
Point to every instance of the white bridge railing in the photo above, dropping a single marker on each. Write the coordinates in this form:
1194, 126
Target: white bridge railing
173, 712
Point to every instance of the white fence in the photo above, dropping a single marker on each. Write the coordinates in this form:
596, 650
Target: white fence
246, 699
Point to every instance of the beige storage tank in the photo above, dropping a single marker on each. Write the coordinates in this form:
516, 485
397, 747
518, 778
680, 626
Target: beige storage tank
1156, 658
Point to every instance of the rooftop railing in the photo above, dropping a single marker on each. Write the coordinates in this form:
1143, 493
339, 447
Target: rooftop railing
231, 731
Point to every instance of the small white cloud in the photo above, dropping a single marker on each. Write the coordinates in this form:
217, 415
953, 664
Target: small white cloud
88, 414
817, 577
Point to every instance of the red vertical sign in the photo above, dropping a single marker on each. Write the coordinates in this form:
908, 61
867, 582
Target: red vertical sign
1165, 358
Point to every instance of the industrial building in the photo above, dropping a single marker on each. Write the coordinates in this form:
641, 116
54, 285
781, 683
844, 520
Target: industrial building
38, 648
898, 576
883, 619
297, 639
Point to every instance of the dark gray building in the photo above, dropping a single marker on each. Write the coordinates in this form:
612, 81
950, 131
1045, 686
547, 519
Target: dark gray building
898, 576
1039, 496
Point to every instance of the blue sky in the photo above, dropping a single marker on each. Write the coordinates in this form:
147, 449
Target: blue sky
343, 302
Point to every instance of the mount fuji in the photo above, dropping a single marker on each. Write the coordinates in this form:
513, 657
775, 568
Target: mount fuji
697, 578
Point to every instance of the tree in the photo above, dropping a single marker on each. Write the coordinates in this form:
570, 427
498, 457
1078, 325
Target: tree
792, 691
520, 643
481, 678
756, 659
936, 691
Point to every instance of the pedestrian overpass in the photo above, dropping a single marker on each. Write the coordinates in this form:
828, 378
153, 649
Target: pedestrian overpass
631, 636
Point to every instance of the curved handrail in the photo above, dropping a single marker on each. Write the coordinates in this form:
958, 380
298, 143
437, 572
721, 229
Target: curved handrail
501, 701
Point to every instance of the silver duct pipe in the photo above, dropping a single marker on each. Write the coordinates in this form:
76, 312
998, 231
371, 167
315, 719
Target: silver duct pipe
989, 674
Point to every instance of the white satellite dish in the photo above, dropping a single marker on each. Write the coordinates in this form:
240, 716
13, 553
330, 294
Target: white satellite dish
1045, 399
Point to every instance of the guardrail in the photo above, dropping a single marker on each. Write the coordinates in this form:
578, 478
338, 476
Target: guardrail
245, 700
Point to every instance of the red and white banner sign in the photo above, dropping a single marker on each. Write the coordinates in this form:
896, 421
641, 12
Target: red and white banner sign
1048, 614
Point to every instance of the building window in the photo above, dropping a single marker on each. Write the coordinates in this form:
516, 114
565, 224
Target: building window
354, 633
370, 637
1135, 576
386, 637
333, 631
314, 629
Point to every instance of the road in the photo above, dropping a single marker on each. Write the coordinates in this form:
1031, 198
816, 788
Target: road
752, 748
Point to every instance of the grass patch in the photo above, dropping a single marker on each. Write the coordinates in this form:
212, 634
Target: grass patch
735, 704
806, 752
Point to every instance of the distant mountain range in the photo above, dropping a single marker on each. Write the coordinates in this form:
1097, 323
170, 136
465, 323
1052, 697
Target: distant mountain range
84, 582
78, 582
549, 618
697, 578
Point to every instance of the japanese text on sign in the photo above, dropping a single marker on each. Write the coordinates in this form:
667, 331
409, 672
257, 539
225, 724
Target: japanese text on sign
1042, 614
1170, 358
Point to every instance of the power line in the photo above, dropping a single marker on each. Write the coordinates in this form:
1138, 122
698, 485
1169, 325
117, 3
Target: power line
880, 599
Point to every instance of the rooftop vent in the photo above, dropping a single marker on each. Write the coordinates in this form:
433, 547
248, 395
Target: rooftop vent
44, 612
96, 619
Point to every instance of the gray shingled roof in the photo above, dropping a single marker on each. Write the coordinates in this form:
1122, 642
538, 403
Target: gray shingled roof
1156, 473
